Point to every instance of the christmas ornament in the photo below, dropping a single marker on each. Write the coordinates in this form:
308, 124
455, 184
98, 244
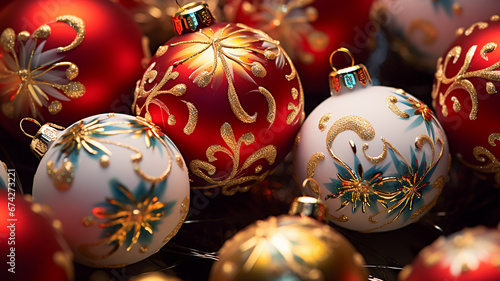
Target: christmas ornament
288, 248
376, 155
116, 182
154, 17
154, 276
60, 63
4, 177
310, 207
420, 31
465, 97
227, 95
309, 30
470, 254
32, 247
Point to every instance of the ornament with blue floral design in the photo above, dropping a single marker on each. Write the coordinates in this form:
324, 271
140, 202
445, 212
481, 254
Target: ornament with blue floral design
378, 156
119, 186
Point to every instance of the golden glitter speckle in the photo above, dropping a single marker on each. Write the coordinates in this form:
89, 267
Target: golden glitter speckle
456, 104
143, 249
457, 8
323, 120
178, 159
104, 161
495, 18
459, 31
172, 120
490, 88
258, 169
55, 107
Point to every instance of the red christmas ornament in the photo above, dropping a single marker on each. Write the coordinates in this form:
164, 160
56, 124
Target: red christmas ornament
32, 244
227, 95
468, 255
466, 100
60, 63
309, 31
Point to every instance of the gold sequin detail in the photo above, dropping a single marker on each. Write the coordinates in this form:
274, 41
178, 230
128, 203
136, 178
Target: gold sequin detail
183, 211
391, 103
258, 169
313, 162
143, 249
78, 25
178, 159
456, 104
295, 110
479, 25
54, 107
161, 50
490, 88
171, 120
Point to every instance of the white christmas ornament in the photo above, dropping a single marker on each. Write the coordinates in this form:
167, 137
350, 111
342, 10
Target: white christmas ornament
119, 186
4, 178
376, 155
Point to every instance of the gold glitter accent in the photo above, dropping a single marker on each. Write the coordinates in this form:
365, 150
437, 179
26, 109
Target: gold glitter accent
178, 159
193, 118
391, 103
104, 161
78, 25
433, 258
271, 105
483, 155
456, 104
161, 50
172, 120
37, 208
457, 8
55, 107
183, 211
258, 169
459, 31
421, 25
479, 25
258, 70
89, 221
310, 171
295, 110
110, 115
62, 178
495, 18
342, 218
232, 184
490, 88
143, 249
28, 79
461, 79
323, 120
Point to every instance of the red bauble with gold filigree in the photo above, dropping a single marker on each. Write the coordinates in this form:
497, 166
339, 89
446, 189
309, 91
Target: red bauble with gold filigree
32, 247
228, 96
309, 31
465, 96
61, 62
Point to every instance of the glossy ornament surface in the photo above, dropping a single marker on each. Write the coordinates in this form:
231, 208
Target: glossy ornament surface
228, 96
466, 100
4, 177
468, 255
118, 185
376, 155
309, 30
420, 31
62, 62
288, 248
33, 247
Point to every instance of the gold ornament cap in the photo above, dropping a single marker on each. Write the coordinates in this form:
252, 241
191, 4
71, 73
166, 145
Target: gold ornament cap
192, 17
348, 77
42, 140
309, 207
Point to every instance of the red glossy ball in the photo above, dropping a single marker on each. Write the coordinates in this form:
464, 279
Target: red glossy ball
231, 100
85, 58
466, 100
32, 245
309, 31
468, 255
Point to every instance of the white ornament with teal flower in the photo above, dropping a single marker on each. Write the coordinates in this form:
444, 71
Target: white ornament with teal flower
119, 186
376, 155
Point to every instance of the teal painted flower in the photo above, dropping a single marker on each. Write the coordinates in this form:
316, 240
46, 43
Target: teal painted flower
415, 181
447, 6
418, 111
131, 218
360, 188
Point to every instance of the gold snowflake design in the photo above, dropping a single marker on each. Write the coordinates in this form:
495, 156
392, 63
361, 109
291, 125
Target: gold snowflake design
32, 75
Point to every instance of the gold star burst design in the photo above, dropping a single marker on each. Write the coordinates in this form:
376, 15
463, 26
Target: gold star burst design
237, 54
132, 215
31, 78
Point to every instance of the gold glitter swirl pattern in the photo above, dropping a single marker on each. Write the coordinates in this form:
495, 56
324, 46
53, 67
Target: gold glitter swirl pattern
461, 79
483, 155
232, 184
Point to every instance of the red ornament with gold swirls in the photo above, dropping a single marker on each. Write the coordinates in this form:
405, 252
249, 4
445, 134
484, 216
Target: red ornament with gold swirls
32, 247
228, 96
309, 31
466, 100
60, 63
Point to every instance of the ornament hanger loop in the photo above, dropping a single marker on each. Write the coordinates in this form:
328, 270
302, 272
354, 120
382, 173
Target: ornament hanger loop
343, 50
307, 180
28, 119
